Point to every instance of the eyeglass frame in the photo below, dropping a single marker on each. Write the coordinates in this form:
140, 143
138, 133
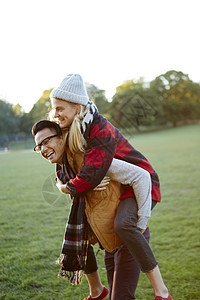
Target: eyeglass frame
40, 144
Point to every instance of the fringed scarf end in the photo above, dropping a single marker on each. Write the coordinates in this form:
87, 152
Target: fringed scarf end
74, 278
60, 259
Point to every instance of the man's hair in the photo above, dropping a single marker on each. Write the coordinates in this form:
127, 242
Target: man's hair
42, 124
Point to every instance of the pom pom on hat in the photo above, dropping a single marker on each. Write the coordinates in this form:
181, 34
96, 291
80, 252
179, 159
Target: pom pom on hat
71, 89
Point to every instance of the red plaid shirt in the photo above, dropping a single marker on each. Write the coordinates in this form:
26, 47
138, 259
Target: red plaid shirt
105, 142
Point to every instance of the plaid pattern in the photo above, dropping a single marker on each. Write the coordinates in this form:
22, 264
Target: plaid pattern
104, 143
75, 242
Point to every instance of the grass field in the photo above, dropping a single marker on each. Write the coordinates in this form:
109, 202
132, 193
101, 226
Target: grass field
32, 221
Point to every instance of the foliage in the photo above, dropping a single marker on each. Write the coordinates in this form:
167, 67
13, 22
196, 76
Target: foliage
15, 124
41, 108
32, 230
134, 105
99, 98
171, 98
9, 120
178, 95
18, 110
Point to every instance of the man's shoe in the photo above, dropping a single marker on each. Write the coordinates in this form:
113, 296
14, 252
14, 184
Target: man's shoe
104, 295
161, 298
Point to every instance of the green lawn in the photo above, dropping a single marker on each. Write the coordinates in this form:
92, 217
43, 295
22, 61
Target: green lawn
32, 221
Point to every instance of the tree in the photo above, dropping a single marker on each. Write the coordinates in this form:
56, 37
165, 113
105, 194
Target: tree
178, 95
99, 98
18, 110
133, 105
41, 108
130, 85
26, 123
9, 121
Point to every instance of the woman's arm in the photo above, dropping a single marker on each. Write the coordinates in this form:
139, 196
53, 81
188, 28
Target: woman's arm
140, 180
97, 159
100, 187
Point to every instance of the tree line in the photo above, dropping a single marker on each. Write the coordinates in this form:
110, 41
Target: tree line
168, 100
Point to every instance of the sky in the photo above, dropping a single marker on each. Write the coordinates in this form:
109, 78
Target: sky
106, 41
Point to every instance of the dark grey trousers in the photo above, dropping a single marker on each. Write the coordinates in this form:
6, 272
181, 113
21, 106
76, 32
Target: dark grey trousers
131, 236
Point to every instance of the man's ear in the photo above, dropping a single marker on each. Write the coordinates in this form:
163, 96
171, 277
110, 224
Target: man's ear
61, 138
64, 135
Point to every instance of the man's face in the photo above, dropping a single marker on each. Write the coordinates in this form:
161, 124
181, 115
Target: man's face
64, 112
51, 149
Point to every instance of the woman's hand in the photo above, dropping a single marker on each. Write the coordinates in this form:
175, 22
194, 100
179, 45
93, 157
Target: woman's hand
62, 187
103, 184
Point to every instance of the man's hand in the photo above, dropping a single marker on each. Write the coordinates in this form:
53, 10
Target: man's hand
92, 238
103, 184
62, 187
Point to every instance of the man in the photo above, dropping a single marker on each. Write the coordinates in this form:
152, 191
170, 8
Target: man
120, 265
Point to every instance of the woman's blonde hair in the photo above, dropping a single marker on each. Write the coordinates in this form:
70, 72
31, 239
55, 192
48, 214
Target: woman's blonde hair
77, 143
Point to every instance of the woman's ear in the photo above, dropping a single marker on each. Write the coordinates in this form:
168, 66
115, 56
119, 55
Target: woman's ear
78, 108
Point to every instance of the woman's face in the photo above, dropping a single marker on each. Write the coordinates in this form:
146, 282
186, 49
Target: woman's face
64, 112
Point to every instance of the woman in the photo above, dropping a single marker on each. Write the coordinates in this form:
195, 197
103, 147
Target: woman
101, 142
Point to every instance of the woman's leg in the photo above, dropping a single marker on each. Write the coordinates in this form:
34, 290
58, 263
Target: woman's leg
157, 282
132, 237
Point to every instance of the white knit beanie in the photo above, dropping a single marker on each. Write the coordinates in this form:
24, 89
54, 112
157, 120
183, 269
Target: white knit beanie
71, 89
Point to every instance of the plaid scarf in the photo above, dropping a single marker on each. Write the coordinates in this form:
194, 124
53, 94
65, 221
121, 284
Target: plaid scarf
87, 119
75, 244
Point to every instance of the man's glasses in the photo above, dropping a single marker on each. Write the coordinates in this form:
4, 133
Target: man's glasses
45, 142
